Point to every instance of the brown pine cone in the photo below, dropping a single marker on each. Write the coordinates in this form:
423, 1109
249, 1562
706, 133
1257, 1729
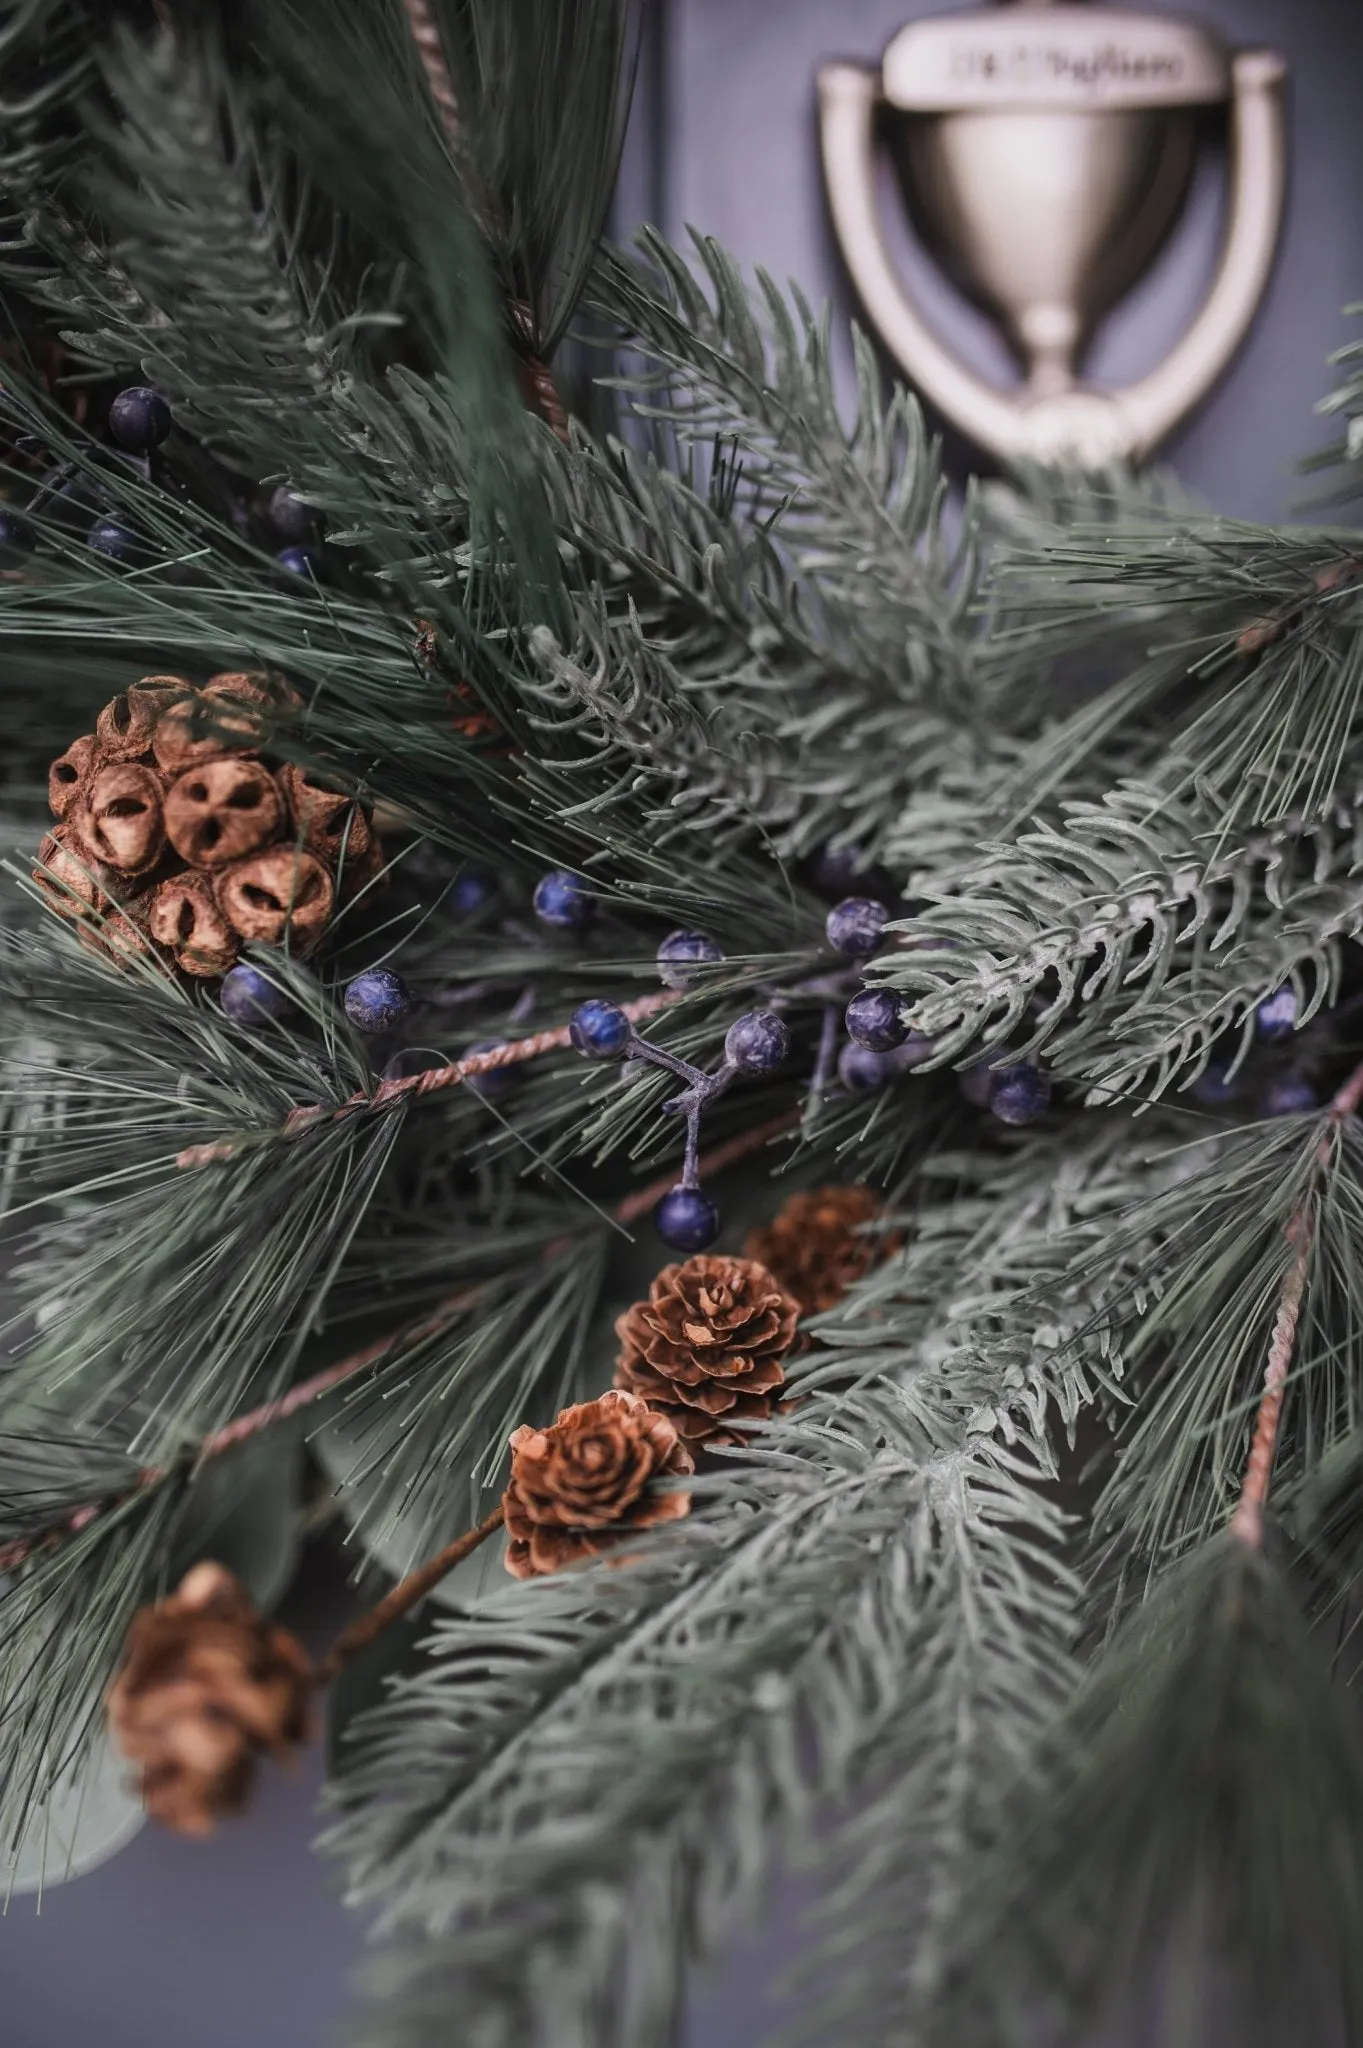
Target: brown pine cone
579, 1486
707, 1347
206, 1686
817, 1245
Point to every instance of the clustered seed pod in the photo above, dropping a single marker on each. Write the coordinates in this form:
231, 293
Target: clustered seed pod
177, 836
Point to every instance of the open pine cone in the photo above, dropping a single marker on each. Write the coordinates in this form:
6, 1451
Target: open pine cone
577, 1487
206, 1686
817, 1245
707, 1347
173, 826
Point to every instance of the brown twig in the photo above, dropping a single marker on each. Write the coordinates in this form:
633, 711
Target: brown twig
404, 1596
514, 1053
537, 382
1247, 1522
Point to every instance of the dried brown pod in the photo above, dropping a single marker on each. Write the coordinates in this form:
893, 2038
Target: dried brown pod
69, 882
70, 772
206, 1687
119, 819
127, 725
186, 735
220, 810
281, 892
327, 821
579, 1486
707, 1347
114, 936
183, 916
817, 1245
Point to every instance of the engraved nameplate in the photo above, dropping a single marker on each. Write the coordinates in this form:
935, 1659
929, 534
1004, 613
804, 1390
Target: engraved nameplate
1053, 57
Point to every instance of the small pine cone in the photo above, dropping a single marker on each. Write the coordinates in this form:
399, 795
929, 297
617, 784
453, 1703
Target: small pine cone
817, 1245
127, 724
281, 892
119, 820
69, 774
206, 1687
581, 1485
184, 916
707, 1347
219, 811
327, 821
68, 880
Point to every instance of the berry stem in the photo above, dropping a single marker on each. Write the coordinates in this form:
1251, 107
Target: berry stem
1247, 1522
403, 1597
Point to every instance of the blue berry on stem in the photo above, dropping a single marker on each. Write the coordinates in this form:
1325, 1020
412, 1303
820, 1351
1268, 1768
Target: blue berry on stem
139, 419
471, 892
681, 952
757, 1042
377, 1000
860, 1069
16, 535
600, 1031
298, 561
107, 537
686, 1219
854, 926
873, 1020
562, 901
1019, 1094
1289, 1095
290, 517
1276, 1016
247, 995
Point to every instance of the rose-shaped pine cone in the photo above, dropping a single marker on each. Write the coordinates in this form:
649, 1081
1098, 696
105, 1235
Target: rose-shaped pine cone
817, 1244
281, 892
219, 811
68, 880
183, 916
581, 1485
119, 820
69, 773
707, 1348
206, 1687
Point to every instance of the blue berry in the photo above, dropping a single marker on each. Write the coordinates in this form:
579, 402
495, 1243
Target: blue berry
107, 537
686, 1219
471, 892
298, 561
873, 1020
599, 1031
563, 901
1214, 1085
377, 1000
16, 535
861, 1069
977, 1083
247, 995
487, 1087
757, 1042
854, 926
1276, 1016
1020, 1093
290, 517
139, 419
680, 953
1289, 1095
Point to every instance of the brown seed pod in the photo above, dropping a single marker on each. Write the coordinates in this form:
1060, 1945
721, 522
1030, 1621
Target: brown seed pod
118, 820
280, 892
184, 916
115, 936
188, 733
126, 725
221, 810
67, 776
68, 881
327, 821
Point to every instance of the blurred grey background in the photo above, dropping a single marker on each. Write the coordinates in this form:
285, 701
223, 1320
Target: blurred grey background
240, 1943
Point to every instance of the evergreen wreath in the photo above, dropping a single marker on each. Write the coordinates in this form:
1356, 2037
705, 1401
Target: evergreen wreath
585, 967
